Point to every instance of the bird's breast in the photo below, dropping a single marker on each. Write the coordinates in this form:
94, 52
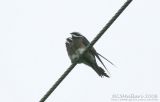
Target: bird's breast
77, 53
80, 51
74, 56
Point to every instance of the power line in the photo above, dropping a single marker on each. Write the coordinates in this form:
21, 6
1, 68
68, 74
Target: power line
87, 48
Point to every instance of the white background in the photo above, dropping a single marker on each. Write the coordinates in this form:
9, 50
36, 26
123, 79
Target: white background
33, 54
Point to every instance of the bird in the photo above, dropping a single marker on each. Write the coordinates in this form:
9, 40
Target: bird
75, 46
86, 43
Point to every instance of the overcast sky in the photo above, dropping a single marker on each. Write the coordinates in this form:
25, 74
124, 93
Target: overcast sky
33, 54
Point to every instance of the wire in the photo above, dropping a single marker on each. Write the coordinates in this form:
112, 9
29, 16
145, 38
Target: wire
87, 48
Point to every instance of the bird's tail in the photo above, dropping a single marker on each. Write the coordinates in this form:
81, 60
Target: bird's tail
100, 71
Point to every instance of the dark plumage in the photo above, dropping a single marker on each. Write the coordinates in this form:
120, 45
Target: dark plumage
76, 45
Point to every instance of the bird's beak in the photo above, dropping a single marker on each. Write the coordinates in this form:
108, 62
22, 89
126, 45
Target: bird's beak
69, 39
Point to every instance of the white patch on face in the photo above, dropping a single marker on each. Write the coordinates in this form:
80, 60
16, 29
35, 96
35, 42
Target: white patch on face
67, 42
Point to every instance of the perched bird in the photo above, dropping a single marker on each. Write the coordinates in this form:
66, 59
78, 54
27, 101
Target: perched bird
86, 43
76, 44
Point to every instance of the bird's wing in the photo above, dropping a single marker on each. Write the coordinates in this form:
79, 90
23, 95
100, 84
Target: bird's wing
86, 42
69, 50
93, 51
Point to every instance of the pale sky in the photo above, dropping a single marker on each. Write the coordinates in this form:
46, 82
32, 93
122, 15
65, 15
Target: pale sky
33, 54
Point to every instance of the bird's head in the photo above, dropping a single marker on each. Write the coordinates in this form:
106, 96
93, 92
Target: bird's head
76, 35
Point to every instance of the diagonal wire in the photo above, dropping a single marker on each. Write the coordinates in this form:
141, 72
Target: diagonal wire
87, 48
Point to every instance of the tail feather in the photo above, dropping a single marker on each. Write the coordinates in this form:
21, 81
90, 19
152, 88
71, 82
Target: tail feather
107, 60
100, 71
93, 64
